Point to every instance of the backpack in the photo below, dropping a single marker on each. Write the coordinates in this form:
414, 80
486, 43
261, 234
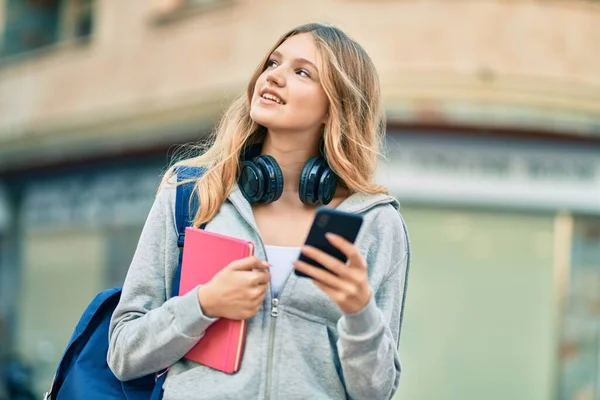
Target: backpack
83, 371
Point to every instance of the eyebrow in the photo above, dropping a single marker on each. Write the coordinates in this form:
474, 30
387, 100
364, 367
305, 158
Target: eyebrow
303, 60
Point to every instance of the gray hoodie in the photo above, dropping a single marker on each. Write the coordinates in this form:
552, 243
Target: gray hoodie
299, 346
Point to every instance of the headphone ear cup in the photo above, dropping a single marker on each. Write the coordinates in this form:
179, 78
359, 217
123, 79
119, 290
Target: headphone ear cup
251, 182
327, 185
309, 178
273, 178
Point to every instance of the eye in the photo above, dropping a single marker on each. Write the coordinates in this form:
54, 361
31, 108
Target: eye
303, 72
271, 63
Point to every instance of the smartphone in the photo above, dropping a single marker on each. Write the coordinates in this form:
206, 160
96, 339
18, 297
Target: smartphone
329, 220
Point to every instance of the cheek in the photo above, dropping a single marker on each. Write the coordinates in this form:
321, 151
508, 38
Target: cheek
259, 83
313, 102
324, 102
321, 103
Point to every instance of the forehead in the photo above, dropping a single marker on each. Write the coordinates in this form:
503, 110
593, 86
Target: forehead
301, 45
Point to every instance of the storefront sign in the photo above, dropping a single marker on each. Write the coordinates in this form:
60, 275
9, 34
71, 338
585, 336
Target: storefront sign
503, 173
116, 197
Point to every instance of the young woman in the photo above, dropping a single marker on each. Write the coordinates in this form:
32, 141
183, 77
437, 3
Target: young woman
331, 336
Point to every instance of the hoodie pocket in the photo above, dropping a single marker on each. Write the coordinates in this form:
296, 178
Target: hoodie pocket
306, 365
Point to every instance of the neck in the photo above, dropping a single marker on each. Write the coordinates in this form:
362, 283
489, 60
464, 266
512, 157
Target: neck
291, 155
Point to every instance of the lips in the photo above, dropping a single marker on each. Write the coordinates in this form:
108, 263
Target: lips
268, 94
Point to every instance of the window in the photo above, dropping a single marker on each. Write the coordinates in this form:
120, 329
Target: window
35, 24
580, 342
168, 10
76, 19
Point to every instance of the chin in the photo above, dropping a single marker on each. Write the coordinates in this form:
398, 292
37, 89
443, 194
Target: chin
260, 118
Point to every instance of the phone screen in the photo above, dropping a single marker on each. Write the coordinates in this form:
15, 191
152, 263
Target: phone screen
328, 220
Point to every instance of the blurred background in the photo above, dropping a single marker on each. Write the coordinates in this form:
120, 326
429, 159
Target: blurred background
493, 148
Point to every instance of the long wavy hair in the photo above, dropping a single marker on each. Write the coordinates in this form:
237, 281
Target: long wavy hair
352, 135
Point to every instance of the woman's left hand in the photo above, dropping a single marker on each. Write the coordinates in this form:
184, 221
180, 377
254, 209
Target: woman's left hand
347, 284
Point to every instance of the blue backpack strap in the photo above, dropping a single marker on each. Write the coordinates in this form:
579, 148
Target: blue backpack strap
185, 201
183, 205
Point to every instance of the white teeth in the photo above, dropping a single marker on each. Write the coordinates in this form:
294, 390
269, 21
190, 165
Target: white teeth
269, 96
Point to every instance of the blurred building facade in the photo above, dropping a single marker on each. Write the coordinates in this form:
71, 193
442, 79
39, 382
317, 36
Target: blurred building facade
493, 146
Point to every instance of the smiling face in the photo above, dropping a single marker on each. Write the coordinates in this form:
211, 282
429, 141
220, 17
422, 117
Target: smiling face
288, 95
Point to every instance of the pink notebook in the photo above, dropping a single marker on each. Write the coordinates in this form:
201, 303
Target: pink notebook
205, 254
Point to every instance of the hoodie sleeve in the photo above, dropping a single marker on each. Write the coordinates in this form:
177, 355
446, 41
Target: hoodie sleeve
148, 332
368, 340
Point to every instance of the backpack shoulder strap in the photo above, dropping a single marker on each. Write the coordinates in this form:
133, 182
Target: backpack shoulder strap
186, 200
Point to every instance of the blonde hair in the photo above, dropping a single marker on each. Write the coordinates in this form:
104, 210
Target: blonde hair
352, 136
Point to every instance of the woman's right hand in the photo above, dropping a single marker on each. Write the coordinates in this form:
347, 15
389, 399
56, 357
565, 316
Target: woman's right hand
237, 291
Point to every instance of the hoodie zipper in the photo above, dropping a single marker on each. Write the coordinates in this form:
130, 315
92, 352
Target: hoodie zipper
274, 307
274, 314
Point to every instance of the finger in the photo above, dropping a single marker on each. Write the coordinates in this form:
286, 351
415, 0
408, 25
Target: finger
248, 264
319, 274
258, 293
328, 290
257, 305
260, 278
253, 278
331, 263
350, 250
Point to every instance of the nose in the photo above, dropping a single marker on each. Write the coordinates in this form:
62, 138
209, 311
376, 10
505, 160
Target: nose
275, 78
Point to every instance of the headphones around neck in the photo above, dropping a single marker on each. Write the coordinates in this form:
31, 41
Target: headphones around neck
261, 179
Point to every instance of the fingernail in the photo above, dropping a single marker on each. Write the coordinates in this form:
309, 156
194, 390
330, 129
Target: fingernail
266, 264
